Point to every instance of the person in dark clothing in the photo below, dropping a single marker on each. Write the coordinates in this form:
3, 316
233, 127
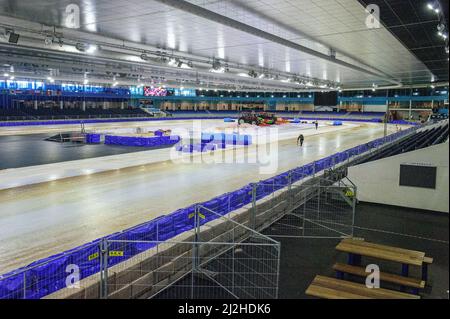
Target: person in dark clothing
300, 140
316, 124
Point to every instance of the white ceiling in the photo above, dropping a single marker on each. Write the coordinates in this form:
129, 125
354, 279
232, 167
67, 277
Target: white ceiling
316, 24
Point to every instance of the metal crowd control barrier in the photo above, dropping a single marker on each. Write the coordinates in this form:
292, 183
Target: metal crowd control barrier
218, 258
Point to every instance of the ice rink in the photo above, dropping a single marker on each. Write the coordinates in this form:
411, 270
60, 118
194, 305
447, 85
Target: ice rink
40, 220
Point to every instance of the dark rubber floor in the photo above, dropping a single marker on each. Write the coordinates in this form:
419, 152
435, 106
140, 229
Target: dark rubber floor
303, 259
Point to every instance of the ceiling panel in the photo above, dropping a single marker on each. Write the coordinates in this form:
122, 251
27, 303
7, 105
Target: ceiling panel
414, 26
316, 24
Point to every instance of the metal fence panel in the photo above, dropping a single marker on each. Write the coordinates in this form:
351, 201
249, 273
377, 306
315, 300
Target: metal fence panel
219, 258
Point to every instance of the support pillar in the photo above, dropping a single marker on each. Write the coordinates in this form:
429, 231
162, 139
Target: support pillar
386, 120
253, 211
103, 269
410, 110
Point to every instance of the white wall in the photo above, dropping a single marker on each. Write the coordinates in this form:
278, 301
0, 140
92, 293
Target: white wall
374, 108
319, 108
378, 181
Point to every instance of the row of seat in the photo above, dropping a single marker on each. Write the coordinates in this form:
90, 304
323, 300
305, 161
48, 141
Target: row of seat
31, 113
417, 141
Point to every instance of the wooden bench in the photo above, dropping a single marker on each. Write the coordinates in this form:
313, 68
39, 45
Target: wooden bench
357, 248
386, 277
331, 288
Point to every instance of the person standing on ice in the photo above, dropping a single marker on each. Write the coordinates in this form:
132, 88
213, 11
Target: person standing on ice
316, 124
300, 140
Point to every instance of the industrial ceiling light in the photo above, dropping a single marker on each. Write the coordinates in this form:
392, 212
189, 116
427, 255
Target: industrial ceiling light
88, 48
13, 37
172, 62
144, 57
252, 74
91, 48
48, 40
216, 65
80, 47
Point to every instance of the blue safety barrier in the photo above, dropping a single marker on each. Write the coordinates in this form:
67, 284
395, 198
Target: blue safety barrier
93, 138
142, 141
49, 275
191, 148
229, 139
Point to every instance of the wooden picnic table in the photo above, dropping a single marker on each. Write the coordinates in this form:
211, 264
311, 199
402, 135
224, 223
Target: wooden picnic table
357, 248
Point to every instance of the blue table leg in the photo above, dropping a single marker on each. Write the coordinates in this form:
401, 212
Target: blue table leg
354, 260
351, 259
425, 272
405, 270
357, 260
405, 273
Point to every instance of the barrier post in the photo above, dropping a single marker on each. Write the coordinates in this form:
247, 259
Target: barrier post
197, 236
157, 230
314, 169
253, 210
290, 190
103, 268
24, 285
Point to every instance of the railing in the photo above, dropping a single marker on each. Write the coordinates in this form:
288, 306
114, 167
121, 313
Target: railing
69, 116
47, 276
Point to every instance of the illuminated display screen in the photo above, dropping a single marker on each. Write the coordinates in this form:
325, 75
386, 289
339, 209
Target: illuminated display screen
154, 91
